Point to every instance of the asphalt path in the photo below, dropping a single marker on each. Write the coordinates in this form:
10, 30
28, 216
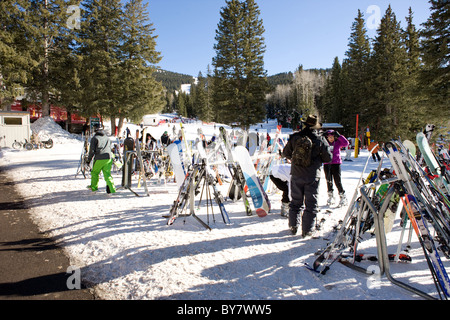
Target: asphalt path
32, 265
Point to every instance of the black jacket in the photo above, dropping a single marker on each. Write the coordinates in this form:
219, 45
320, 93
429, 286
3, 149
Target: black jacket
321, 153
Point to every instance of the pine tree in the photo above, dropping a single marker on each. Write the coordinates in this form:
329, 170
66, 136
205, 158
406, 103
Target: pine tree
355, 75
388, 116
15, 54
140, 93
334, 95
65, 65
99, 51
198, 94
415, 110
239, 75
47, 21
435, 39
181, 104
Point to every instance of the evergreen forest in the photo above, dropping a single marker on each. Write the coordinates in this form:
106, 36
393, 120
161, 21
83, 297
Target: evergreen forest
100, 57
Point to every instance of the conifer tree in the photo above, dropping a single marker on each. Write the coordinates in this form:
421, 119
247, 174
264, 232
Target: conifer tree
140, 93
415, 110
435, 39
99, 54
355, 74
388, 116
200, 99
239, 75
15, 54
64, 66
334, 95
47, 22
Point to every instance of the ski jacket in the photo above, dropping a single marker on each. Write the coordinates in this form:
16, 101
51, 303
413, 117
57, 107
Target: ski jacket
165, 140
100, 147
320, 153
340, 142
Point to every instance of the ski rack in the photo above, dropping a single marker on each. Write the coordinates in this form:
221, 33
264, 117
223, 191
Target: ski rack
196, 175
365, 206
126, 168
380, 234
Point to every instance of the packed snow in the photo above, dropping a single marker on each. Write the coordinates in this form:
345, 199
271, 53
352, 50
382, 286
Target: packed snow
125, 250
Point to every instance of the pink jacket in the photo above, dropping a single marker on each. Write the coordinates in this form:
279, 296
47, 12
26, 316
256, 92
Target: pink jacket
340, 142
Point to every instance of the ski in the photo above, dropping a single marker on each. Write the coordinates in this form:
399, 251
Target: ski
237, 185
402, 257
210, 180
266, 175
431, 254
181, 199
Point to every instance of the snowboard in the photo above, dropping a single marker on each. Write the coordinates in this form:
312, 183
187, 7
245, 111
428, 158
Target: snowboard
409, 145
175, 151
432, 163
259, 197
428, 155
252, 143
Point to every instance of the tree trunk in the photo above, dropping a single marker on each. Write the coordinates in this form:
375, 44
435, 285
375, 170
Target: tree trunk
113, 125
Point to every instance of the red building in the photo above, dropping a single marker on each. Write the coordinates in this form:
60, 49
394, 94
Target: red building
59, 114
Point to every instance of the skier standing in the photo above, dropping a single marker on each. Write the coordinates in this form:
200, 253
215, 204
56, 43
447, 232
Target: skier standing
100, 151
333, 169
305, 179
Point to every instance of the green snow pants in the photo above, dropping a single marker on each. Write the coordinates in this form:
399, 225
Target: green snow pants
105, 167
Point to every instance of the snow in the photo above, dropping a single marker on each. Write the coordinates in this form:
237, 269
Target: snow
125, 250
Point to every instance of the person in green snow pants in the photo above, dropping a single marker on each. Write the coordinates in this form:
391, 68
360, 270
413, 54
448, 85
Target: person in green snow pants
100, 151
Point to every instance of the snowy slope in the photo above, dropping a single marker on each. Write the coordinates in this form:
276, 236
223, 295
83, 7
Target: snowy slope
126, 251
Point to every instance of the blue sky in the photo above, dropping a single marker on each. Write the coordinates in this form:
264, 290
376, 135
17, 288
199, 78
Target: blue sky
311, 33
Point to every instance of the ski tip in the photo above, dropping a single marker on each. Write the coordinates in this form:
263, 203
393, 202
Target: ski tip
261, 213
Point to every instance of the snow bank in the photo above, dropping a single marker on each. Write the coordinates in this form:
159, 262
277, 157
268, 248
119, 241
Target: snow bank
47, 128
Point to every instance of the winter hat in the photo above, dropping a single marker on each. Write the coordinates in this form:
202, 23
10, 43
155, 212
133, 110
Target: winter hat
329, 133
312, 122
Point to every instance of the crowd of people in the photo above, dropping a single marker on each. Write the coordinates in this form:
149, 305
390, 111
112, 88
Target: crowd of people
299, 182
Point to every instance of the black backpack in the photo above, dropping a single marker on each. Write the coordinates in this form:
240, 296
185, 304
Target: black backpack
301, 155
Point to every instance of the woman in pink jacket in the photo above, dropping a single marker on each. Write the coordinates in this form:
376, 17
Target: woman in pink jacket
333, 169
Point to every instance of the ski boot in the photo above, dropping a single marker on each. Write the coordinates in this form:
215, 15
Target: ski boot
343, 200
293, 230
330, 199
285, 209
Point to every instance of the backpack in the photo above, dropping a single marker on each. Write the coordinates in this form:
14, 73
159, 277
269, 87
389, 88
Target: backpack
301, 155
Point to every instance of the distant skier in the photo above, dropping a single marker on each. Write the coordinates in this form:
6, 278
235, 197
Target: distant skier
165, 139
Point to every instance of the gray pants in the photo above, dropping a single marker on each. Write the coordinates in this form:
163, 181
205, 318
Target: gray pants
304, 203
